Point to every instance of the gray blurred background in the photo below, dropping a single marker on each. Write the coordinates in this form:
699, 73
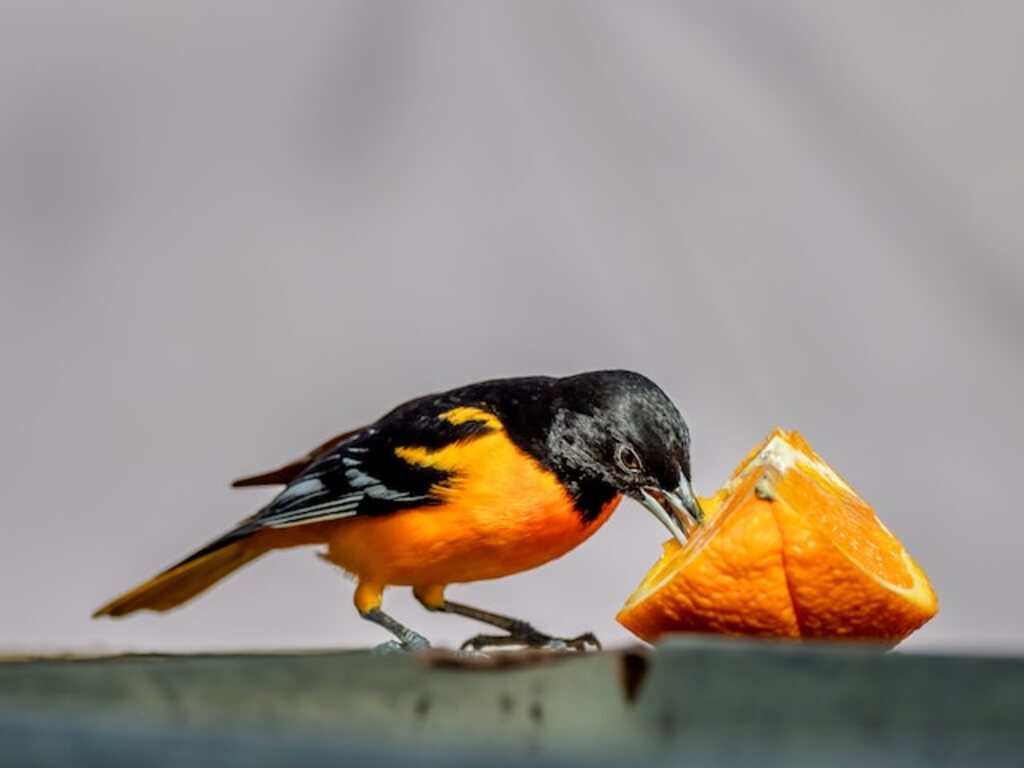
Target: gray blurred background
229, 230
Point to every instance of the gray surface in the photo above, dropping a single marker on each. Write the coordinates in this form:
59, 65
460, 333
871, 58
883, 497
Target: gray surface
701, 702
229, 229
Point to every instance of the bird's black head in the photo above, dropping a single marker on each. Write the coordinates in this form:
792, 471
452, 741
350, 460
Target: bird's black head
617, 432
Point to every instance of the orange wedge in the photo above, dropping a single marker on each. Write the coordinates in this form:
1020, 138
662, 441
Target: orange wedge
789, 550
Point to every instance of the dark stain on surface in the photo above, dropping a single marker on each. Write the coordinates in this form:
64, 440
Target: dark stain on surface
422, 707
667, 727
536, 713
633, 666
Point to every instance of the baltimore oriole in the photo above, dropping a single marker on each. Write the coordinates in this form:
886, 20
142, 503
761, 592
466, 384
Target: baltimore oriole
482, 481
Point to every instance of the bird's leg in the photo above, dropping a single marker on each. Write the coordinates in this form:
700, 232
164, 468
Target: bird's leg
519, 632
369, 598
408, 640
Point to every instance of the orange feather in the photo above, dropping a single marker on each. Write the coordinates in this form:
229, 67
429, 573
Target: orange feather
502, 513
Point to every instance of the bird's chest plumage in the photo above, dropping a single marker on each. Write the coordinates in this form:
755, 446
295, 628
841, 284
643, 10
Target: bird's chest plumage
501, 512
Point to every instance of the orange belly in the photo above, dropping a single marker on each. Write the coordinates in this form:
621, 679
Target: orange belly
501, 513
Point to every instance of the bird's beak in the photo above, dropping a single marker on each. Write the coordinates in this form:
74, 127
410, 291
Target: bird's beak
678, 510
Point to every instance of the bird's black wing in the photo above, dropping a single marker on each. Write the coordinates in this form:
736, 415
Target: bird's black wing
287, 472
359, 473
362, 474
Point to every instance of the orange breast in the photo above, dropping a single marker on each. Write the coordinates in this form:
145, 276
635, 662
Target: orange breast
502, 513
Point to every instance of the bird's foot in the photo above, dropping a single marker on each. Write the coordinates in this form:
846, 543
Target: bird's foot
405, 638
391, 646
412, 642
525, 635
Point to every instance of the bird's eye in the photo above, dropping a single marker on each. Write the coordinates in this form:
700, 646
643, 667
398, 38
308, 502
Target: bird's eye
627, 458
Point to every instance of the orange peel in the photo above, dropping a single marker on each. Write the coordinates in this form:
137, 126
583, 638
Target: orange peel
789, 550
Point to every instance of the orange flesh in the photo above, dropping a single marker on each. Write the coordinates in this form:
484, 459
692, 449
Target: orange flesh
848, 523
789, 550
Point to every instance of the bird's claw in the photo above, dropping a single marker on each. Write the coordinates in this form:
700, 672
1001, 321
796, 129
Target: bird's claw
529, 637
412, 643
580, 642
391, 646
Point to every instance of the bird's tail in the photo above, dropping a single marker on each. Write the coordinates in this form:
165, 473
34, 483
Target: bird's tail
187, 579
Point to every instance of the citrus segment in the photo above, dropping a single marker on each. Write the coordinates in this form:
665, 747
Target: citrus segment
729, 578
789, 550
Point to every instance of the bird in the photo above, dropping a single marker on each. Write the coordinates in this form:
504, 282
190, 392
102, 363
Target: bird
478, 482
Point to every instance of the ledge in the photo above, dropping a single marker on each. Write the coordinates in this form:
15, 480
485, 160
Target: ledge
702, 701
